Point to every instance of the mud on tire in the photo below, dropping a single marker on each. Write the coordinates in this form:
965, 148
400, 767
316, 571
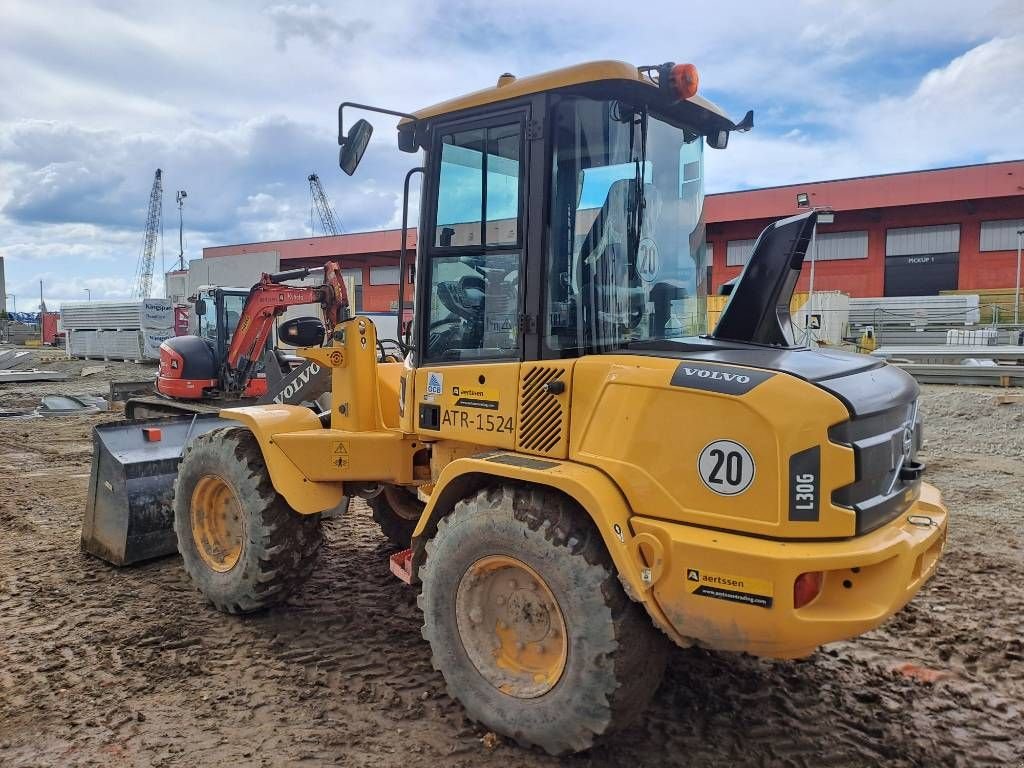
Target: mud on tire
615, 657
279, 547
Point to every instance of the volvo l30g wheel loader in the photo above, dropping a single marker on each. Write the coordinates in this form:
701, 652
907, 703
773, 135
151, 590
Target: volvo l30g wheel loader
592, 473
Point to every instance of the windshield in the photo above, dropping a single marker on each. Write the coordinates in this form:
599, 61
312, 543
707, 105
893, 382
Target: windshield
627, 245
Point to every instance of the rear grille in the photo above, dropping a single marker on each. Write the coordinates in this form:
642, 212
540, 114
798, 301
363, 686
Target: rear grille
542, 421
885, 468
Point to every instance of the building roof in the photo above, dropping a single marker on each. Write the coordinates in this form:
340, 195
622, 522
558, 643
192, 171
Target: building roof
354, 244
969, 182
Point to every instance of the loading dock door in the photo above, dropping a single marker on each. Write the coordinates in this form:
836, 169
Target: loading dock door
921, 261
923, 275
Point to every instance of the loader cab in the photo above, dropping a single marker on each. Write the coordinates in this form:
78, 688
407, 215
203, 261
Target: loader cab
562, 215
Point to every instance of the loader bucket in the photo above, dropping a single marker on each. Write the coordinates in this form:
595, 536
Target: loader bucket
128, 516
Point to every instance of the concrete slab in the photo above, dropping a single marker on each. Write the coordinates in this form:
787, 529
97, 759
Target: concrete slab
8, 377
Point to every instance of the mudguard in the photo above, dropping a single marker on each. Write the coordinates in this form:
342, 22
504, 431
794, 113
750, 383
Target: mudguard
264, 421
637, 558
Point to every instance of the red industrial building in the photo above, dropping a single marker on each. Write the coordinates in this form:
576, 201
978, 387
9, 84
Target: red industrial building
895, 234
370, 258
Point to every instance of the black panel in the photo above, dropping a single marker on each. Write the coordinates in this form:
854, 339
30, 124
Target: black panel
758, 309
922, 275
430, 416
200, 359
805, 485
874, 391
525, 462
878, 440
717, 378
815, 365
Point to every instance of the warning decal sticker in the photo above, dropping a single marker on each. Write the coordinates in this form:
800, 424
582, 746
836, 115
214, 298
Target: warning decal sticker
340, 455
734, 589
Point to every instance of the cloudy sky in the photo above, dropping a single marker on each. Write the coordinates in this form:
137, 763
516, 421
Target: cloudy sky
236, 102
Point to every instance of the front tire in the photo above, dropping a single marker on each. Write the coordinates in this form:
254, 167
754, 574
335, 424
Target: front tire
528, 622
244, 548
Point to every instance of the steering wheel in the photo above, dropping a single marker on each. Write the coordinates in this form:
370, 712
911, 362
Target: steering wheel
456, 296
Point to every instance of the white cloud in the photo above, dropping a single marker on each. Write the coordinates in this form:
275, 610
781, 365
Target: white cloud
237, 104
312, 22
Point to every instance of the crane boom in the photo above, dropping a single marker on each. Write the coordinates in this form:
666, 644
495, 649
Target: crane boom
323, 206
154, 221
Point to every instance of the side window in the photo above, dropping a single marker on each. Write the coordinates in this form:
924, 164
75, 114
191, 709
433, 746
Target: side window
233, 306
208, 322
476, 255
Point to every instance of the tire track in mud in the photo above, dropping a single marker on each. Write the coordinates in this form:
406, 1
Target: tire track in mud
131, 667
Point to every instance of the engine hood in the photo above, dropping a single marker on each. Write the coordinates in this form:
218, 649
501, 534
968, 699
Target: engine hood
866, 386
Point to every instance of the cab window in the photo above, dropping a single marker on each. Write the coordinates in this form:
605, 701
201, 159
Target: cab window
476, 255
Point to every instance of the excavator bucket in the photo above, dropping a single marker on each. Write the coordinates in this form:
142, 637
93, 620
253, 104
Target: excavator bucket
128, 516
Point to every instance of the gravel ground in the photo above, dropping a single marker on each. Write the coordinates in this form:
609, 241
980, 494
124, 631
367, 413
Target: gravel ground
100, 666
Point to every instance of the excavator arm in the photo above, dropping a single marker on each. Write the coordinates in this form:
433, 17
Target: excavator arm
268, 299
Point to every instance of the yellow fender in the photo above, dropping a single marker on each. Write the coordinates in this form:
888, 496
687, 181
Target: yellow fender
264, 421
634, 557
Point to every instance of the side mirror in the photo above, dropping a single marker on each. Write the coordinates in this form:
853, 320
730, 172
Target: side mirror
302, 332
200, 307
718, 139
354, 146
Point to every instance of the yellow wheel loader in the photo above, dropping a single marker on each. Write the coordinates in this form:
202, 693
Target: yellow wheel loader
585, 471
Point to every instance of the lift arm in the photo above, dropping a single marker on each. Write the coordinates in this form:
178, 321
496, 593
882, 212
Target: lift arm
268, 299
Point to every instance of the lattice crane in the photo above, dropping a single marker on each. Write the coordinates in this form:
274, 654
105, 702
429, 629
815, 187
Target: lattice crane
154, 226
328, 217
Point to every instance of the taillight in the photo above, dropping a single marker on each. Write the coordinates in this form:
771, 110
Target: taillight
807, 587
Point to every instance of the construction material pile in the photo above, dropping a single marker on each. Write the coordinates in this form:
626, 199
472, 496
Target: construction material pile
117, 330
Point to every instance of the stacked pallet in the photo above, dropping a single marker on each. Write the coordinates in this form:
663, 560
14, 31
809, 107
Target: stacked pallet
117, 330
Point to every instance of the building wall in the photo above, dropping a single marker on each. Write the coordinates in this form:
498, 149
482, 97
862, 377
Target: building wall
866, 277
357, 251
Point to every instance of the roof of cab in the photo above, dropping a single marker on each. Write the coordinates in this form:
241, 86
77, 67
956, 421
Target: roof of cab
578, 74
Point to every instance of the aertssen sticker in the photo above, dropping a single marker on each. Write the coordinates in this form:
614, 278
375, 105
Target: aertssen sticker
724, 586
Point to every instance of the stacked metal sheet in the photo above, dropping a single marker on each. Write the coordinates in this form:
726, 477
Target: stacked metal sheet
114, 315
117, 330
916, 311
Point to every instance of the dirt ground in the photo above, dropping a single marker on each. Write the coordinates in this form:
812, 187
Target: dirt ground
100, 666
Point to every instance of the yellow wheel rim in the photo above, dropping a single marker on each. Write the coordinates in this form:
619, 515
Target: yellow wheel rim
511, 626
216, 518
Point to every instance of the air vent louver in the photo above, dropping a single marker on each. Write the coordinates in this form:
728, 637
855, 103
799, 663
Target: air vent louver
542, 419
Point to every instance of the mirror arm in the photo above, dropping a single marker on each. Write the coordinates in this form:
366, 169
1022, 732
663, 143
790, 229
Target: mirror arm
368, 108
403, 338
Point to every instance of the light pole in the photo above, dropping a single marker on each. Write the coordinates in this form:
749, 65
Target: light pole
180, 197
14, 301
1016, 292
88, 294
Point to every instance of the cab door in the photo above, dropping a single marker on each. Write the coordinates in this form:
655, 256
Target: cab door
471, 280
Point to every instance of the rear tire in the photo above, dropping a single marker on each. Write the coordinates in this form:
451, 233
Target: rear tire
396, 510
244, 548
509, 571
